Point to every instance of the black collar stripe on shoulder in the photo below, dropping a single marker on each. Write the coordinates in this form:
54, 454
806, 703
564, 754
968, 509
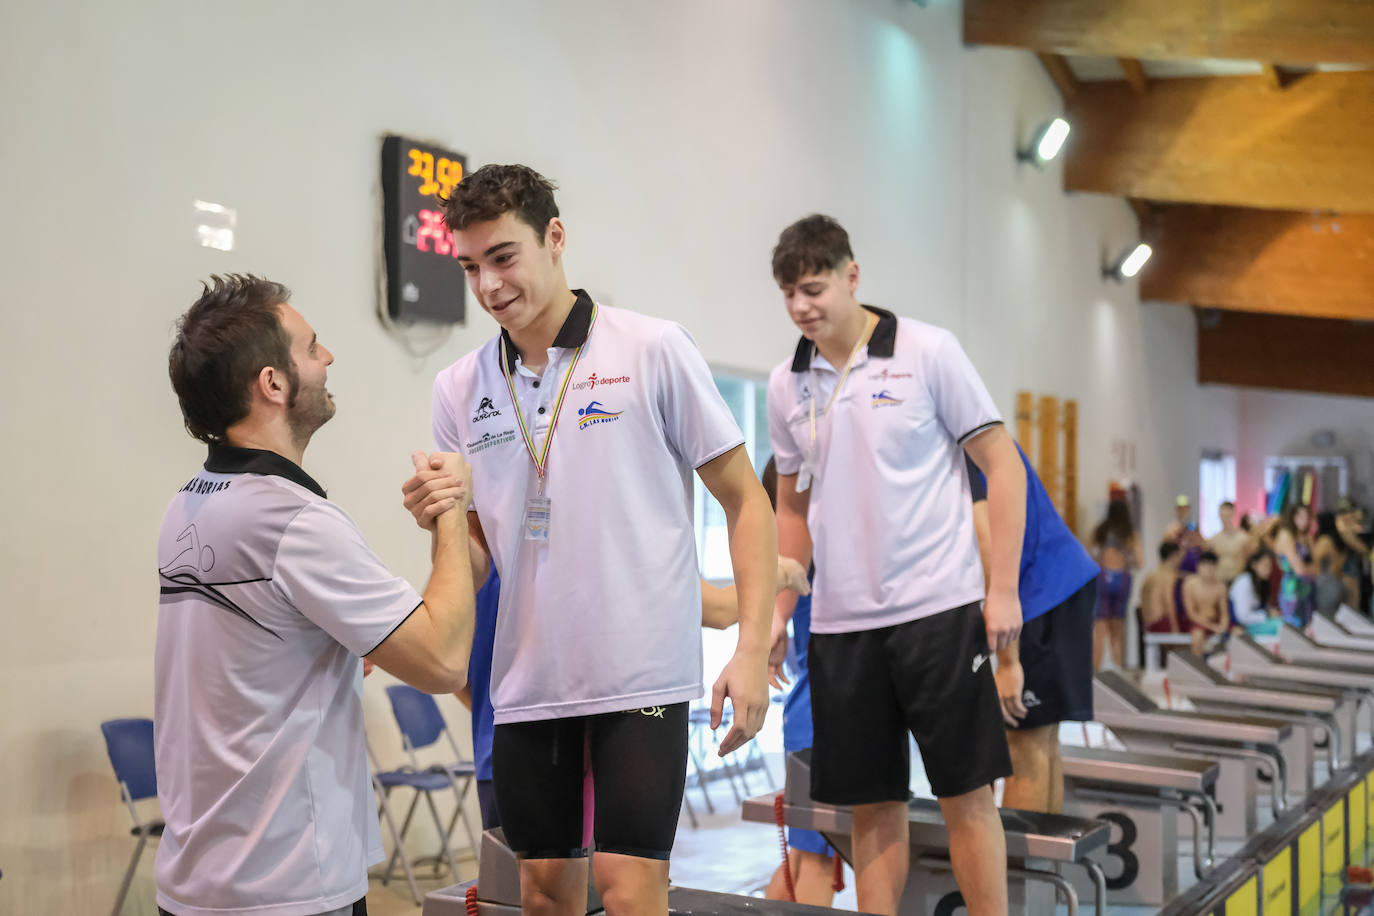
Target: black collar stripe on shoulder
230, 459
882, 344
573, 333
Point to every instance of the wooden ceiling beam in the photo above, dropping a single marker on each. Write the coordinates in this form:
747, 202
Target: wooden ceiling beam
1228, 140
1060, 74
1273, 261
1279, 351
1294, 32
1135, 73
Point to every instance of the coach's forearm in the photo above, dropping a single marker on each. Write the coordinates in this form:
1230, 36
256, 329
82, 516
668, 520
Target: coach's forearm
450, 597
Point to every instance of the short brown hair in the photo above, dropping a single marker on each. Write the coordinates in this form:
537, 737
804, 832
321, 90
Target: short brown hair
495, 190
812, 245
223, 341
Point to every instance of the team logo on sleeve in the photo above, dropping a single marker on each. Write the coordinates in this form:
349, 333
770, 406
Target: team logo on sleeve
595, 413
485, 410
885, 398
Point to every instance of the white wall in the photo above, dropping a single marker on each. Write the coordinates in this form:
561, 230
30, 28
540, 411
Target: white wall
684, 137
1283, 422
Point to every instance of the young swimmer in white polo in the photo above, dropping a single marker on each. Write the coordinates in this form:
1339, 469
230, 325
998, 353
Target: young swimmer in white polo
869, 421
583, 424
269, 595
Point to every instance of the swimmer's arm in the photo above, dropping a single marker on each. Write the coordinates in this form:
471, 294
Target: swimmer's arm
754, 557
720, 605
1160, 600
478, 551
1192, 606
1287, 547
995, 453
1011, 655
794, 540
1221, 622
980, 527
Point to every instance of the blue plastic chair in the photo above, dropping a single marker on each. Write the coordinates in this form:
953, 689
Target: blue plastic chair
422, 726
129, 743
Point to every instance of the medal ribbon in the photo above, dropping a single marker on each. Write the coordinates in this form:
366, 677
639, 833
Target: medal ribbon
542, 459
839, 386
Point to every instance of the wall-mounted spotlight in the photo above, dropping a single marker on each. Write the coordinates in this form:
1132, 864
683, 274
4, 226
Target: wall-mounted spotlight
1046, 143
1128, 263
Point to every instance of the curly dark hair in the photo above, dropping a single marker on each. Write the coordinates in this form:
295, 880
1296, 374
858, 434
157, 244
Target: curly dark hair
495, 190
814, 244
223, 341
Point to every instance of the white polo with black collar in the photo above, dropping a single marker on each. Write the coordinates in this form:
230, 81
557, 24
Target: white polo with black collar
269, 596
890, 517
605, 615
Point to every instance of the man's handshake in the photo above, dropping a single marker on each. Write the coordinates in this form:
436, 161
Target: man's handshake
442, 482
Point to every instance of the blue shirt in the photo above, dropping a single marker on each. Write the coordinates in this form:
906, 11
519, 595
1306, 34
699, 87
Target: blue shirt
796, 710
1054, 564
479, 672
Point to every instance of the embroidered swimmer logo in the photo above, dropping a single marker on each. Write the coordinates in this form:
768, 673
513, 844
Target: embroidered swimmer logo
489, 440
978, 662
884, 398
485, 411
595, 413
592, 381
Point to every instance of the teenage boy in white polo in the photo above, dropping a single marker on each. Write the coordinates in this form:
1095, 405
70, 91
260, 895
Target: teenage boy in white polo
583, 424
867, 422
269, 595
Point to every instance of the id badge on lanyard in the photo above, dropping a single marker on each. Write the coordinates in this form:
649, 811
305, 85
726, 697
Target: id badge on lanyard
538, 516
809, 460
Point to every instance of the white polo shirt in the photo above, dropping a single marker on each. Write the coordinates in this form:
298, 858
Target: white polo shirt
269, 596
605, 615
890, 516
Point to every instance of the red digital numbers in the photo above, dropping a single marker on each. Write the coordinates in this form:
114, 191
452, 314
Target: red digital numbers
432, 228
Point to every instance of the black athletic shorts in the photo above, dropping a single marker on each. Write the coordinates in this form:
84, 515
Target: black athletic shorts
1057, 658
932, 677
636, 762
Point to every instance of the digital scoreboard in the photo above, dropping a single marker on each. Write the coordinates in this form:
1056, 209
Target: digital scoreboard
424, 281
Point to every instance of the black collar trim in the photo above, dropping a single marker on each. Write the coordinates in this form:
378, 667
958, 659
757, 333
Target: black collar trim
882, 344
230, 459
574, 332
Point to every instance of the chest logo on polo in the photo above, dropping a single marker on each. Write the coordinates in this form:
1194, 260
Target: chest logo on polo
593, 381
485, 410
887, 374
885, 398
489, 440
595, 413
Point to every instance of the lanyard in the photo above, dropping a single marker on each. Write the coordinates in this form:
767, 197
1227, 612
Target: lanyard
839, 386
541, 461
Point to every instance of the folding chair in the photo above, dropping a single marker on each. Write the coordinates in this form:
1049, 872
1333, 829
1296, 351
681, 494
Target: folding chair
129, 742
382, 788
421, 724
